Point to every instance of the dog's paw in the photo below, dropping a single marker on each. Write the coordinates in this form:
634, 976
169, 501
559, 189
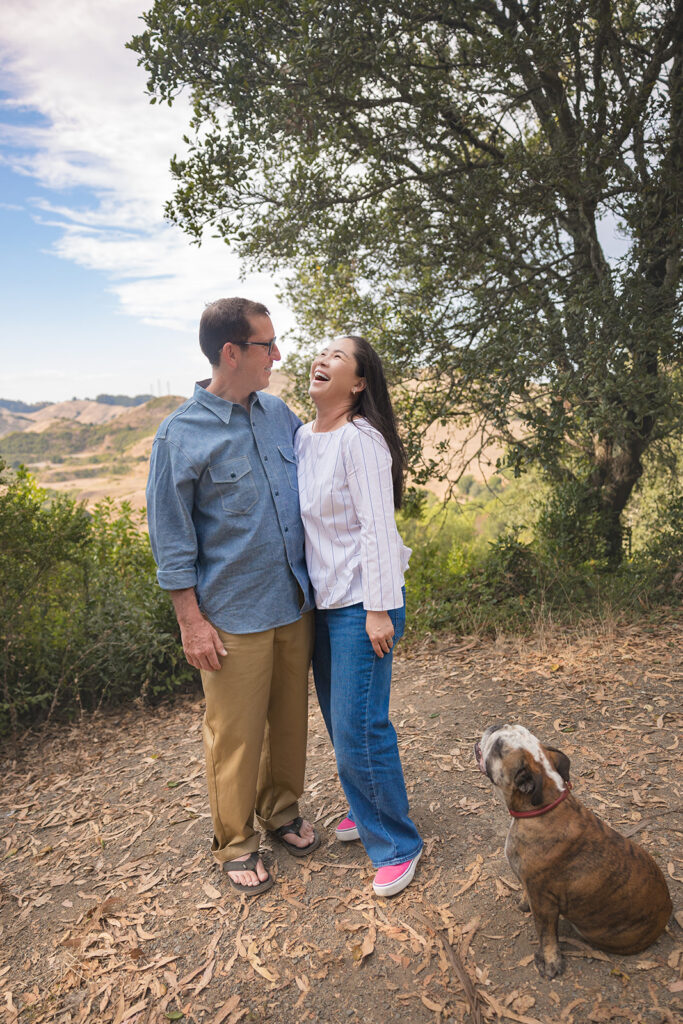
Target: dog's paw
550, 968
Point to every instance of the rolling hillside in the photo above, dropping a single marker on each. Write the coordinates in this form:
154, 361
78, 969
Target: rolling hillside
92, 450
76, 411
88, 449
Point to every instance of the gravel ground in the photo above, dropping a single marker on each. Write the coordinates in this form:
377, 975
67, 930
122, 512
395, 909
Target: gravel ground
111, 909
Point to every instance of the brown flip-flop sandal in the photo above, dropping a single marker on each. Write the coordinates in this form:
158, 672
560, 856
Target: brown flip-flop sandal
247, 865
294, 828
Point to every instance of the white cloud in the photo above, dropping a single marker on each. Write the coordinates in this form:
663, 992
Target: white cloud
98, 133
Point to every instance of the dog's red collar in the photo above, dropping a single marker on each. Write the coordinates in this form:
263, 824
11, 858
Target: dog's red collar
543, 810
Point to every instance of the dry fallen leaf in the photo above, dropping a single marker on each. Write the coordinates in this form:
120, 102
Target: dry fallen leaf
672, 871
431, 1005
226, 1010
523, 1003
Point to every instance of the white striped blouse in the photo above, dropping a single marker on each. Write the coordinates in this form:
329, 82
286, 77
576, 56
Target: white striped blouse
354, 552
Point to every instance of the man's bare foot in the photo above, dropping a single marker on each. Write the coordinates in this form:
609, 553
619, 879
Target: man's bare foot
305, 837
249, 877
297, 836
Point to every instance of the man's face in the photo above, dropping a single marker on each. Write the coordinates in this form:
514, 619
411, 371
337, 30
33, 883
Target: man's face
254, 362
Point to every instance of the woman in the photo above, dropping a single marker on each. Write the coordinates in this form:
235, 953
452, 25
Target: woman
350, 469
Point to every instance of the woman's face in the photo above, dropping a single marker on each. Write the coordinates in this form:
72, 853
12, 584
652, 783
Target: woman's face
334, 377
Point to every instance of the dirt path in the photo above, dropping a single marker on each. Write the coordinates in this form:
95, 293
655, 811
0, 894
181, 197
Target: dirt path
111, 909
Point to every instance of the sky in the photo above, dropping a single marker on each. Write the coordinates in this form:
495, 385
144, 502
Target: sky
98, 293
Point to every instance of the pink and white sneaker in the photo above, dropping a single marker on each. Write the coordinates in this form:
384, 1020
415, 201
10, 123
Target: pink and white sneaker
346, 831
395, 877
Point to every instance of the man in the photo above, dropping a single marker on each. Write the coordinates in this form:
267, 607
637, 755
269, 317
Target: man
223, 511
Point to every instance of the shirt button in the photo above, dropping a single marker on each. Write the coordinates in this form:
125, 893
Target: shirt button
265, 458
286, 529
276, 493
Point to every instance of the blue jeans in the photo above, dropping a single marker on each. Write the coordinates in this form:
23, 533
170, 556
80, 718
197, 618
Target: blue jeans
353, 687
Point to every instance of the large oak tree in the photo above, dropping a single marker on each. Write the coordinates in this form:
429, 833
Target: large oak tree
445, 174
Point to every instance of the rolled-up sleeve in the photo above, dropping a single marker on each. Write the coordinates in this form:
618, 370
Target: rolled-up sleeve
368, 467
170, 501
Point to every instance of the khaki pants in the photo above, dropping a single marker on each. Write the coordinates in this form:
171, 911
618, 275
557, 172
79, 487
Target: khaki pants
254, 732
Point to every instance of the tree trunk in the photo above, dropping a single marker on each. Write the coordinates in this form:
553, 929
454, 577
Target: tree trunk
618, 469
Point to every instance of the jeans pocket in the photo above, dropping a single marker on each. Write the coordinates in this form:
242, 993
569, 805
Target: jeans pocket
398, 617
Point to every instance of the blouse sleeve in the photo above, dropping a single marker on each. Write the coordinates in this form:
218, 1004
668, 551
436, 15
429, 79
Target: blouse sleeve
367, 462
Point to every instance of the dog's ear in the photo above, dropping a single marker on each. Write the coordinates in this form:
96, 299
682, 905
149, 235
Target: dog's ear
530, 783
560, 762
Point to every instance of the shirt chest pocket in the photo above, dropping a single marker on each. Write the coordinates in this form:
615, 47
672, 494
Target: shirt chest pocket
289, 462
235, 484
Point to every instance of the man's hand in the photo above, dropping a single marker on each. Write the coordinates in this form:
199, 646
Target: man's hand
380, 629
201, 643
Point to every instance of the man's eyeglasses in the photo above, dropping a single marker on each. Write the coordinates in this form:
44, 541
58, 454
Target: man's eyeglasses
268, 345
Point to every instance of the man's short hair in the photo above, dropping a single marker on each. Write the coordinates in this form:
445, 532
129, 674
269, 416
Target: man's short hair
226, 320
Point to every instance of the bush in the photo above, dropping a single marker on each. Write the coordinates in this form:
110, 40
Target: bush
471, 563
571, 524
82, 619
496, 565
659, 561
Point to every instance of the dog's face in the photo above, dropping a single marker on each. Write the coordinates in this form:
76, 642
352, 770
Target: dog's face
518, 765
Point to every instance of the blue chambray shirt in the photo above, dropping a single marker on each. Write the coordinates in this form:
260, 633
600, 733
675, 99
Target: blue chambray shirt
223, 510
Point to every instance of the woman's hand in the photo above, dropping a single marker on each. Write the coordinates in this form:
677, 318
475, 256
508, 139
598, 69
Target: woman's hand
380, 629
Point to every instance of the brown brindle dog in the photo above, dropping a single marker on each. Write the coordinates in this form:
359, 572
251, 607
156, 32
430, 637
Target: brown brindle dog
569, 861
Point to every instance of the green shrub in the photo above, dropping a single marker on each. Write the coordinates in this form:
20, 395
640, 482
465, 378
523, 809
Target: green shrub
510, 569
495, 565
658, 562
570, 526
82, 619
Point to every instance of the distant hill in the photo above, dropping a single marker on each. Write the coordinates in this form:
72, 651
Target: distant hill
12, 406
88, 449
54, 434
43, 416
12, 421
124, 400
93, 450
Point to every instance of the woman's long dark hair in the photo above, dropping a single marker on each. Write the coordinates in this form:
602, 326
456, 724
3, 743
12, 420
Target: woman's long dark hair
374, 404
